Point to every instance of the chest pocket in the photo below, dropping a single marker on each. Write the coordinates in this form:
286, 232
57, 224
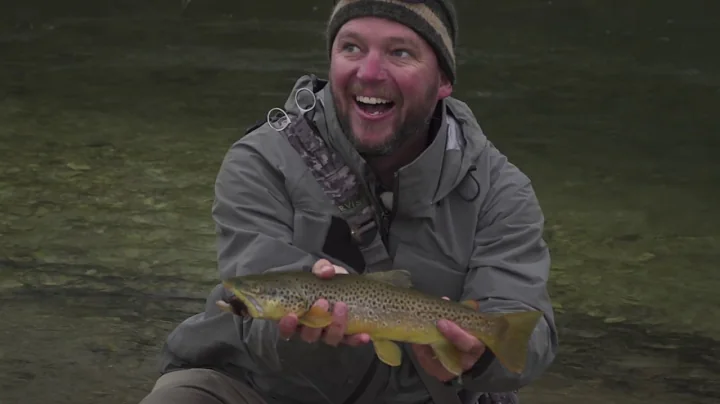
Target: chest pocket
429, 274
376, 255
437, 250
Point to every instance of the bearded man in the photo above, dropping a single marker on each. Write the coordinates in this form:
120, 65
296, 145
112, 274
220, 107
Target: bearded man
376, 168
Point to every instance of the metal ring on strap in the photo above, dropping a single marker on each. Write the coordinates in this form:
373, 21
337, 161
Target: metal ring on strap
297, 102
284, 125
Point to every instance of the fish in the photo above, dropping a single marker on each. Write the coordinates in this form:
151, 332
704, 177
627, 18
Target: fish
387, 307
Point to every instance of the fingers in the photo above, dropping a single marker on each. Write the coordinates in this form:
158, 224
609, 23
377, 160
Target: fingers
325, 269
356, 339
287, 326
463, 340
333, 334
467, 361
427, 360
336, 330
424, 354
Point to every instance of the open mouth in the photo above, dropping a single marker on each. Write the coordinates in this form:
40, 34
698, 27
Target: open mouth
373, 107
236, 306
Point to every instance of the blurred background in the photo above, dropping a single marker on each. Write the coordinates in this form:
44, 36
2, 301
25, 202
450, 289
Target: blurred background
115, 116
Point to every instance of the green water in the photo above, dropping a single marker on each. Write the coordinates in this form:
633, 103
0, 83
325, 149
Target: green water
114, 117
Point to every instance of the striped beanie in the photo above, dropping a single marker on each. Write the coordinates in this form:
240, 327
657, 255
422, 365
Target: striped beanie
434, 20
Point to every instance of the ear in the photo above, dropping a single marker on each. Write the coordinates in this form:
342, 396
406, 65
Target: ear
445, 88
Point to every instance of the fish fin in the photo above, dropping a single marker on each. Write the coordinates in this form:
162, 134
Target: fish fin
509, 342
397, 277
316, 317
388, 351
449, 356
473, 304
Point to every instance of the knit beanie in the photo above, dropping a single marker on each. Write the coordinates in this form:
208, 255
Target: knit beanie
434, 20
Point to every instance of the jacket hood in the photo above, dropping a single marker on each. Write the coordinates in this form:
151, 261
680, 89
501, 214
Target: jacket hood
458, 144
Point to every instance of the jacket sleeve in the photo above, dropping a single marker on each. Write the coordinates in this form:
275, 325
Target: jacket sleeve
509, 272
254, 217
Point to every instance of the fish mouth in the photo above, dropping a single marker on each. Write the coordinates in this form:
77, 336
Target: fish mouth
241, 302
237, 306
245, 305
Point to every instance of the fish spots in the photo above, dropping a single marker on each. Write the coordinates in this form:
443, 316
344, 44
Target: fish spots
377, 302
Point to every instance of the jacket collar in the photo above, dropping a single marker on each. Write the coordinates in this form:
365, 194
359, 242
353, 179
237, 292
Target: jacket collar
419, 184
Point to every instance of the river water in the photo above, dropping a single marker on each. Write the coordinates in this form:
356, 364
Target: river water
114, 117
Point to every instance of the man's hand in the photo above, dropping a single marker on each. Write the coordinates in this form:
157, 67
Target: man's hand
471, 350
334, 333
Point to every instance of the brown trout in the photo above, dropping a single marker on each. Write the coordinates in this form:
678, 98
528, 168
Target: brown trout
385, 306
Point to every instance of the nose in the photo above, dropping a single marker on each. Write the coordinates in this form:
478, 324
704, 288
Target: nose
371, 68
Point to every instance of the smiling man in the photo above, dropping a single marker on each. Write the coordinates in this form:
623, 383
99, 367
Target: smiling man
380, 169
386, 84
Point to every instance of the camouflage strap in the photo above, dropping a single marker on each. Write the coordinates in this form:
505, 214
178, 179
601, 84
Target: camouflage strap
337, 180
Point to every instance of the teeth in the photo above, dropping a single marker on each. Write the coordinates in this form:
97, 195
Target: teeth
371, 100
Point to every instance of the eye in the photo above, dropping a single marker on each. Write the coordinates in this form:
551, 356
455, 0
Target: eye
349, 47
401, 53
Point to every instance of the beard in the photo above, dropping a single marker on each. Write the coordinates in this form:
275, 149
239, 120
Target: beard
416, 122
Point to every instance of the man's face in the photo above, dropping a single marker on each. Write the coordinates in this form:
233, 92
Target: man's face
386, 82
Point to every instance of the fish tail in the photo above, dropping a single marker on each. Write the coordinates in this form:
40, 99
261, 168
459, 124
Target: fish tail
509, 343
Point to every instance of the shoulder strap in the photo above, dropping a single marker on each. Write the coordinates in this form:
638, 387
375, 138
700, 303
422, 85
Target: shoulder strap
337, 180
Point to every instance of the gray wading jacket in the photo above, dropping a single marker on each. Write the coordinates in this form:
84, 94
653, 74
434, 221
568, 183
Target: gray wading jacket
462, 219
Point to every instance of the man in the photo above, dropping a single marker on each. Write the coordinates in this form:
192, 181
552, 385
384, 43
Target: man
384, 170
